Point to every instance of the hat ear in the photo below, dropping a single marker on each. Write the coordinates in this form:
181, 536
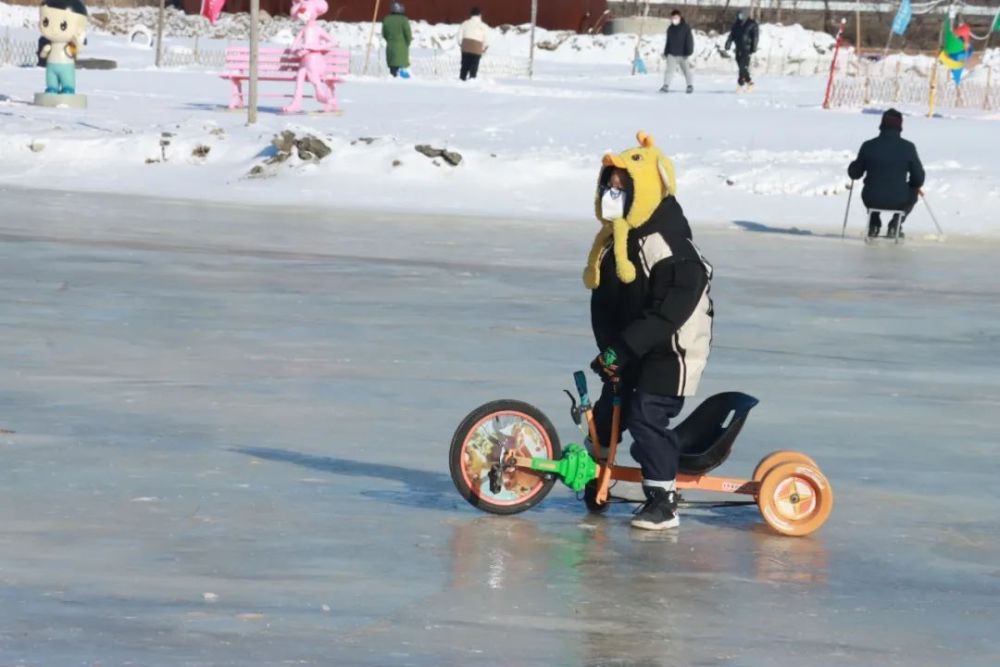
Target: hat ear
645, 140
667, 178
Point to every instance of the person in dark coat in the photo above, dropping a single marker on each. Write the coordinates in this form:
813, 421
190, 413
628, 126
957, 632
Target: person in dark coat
397, 35
679, 47
893, 174
743, 35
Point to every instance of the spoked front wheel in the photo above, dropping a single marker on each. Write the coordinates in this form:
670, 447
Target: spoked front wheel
484, 443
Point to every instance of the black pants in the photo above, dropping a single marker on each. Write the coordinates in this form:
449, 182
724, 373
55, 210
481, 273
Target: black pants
655, 447
743, 62
394, 71
906, 207
470, 65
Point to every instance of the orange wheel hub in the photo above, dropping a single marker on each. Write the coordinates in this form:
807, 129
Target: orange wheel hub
795, 498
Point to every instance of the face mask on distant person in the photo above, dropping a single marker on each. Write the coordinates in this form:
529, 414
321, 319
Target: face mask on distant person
613, 204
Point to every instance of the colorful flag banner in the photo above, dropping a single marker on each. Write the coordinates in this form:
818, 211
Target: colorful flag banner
957, 48
902, 20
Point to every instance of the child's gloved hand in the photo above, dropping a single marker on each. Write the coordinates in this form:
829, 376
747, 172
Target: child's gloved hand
608, 365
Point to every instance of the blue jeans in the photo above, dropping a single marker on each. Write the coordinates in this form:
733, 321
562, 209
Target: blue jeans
655, 447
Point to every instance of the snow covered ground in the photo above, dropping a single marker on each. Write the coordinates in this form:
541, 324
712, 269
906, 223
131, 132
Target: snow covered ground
530, 147
225, 435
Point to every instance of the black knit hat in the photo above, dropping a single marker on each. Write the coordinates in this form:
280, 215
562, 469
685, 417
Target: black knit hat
891, 120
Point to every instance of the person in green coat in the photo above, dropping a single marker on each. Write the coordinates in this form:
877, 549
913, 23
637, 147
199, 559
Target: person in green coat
396, 31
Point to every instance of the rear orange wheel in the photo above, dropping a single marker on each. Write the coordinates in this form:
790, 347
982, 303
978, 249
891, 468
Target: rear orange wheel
775, 459
795, 498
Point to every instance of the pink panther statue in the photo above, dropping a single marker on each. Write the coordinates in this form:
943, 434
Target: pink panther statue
311, 45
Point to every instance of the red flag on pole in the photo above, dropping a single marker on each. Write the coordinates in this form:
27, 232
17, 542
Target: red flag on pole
211, 9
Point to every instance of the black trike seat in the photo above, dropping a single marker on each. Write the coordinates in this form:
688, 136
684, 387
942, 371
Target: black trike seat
707, 434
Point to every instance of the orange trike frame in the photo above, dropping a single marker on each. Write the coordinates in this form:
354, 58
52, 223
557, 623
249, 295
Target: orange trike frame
607, 470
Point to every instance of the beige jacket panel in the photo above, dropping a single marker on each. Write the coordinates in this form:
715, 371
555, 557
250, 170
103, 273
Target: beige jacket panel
474, 36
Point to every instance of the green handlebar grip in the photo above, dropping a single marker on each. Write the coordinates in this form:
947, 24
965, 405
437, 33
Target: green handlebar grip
581, 387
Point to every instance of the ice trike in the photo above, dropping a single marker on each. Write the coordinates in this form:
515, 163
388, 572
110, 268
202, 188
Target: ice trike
505, 458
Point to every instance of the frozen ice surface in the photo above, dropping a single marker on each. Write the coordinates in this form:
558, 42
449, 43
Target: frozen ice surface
231, 426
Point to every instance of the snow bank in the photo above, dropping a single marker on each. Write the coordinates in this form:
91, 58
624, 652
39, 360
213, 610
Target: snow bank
531, 148
18, 16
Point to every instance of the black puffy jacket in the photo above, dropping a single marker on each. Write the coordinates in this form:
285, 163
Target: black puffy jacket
744, 35
893, 171
661, 322
680, 41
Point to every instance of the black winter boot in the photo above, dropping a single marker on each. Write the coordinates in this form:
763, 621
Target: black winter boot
874, 225
893, 224
659, 511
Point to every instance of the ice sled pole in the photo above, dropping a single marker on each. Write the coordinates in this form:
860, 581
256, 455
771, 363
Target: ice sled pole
850, 194
931, 211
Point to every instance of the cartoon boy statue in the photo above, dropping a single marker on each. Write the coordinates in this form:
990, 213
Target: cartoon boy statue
64, 24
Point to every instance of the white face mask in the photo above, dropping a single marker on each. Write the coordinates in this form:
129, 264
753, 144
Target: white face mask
613, 204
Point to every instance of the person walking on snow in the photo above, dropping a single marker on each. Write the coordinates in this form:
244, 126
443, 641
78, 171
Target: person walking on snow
397, 35
679, 47
473, 38
651, 315
744, 35
894, 174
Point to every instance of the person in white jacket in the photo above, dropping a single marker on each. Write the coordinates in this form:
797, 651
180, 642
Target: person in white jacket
473, 36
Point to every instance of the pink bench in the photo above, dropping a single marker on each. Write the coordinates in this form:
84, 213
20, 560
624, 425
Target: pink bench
277, 65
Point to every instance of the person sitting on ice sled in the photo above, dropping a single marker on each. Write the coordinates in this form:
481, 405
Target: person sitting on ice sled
651, 314
895, 174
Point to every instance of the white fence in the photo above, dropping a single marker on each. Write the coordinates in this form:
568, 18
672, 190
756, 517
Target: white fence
762, 63
913, 82
440, 65
437, 65
432, 66
17, 53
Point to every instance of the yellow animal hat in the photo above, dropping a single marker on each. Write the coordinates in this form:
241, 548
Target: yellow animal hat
651, 180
